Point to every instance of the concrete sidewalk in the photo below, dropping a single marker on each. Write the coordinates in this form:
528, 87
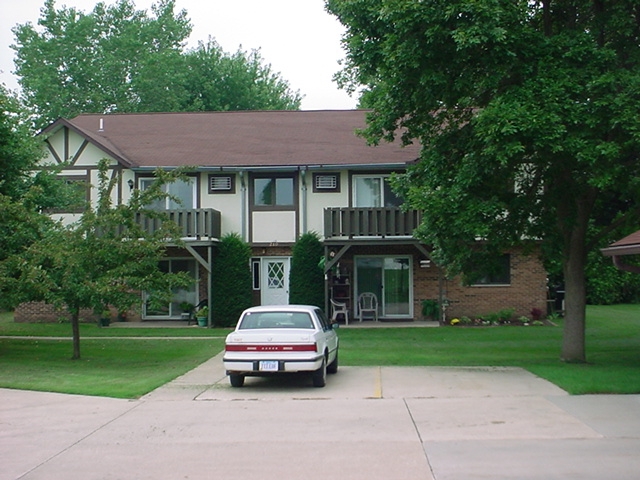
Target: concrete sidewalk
367, 423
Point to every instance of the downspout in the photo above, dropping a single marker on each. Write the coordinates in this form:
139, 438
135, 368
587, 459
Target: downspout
243, 208
303, 220
210, 285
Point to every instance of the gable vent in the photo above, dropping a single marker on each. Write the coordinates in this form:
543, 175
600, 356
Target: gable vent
221, 184
326, 182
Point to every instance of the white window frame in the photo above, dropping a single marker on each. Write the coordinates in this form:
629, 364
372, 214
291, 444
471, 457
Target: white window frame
170, 204
381, 194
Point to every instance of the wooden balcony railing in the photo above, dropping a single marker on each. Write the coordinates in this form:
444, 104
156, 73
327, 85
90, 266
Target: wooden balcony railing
193, 224
369, 222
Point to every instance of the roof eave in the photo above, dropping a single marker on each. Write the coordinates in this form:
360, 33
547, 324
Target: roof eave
62, 122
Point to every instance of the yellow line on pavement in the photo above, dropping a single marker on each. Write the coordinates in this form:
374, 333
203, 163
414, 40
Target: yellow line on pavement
377, 392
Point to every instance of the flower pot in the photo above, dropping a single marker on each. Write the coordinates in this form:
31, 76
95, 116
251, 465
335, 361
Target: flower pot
202, 321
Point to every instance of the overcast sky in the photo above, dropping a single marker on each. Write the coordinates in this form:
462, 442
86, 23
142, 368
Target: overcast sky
298, 38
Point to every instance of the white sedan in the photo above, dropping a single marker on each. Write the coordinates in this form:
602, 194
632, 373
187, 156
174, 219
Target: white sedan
277, 339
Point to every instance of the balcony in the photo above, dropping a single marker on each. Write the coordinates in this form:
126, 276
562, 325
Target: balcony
369, 222
194, 224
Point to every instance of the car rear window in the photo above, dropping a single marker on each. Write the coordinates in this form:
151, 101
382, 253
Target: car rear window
276, 320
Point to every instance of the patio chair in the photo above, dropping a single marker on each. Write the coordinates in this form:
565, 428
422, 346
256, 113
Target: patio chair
339, 308
368, 303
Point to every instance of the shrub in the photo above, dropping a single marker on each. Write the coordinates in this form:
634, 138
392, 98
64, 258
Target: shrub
231, 280
306, 278
536, 314
430, 309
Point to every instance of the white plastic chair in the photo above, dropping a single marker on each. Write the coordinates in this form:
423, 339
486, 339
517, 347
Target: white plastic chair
339, 308
368, 303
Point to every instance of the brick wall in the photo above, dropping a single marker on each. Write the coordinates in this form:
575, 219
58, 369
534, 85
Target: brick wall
34, 312
528, 290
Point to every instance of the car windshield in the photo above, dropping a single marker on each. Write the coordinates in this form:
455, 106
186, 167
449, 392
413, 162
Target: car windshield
253, 320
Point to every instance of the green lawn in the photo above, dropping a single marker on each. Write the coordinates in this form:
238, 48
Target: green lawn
613, 349
130, 367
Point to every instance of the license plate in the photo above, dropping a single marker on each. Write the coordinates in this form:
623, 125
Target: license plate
269, 366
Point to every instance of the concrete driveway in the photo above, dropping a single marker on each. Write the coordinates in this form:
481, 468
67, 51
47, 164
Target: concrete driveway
367, 423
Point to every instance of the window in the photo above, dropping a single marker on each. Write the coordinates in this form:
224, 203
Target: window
273, 192
222, 184
183, 193
255, 271
326, 182
374, 191
76, 195
500, 275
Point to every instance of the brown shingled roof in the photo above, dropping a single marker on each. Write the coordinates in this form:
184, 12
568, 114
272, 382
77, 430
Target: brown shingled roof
629, 245
240, 139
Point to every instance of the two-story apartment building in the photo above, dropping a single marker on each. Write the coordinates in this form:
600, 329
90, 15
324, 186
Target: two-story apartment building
271, 176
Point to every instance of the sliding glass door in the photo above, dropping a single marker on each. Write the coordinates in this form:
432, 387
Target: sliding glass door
389, 278
172, 309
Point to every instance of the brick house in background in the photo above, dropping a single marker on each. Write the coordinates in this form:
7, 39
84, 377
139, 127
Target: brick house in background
271, 176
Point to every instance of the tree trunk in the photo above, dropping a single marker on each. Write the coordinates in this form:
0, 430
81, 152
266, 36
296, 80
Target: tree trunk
575, 260
75, 328
573, 339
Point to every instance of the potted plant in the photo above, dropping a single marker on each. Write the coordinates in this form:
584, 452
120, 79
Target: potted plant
203, 316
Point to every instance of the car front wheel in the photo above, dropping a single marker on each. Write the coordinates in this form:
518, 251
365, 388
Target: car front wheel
320, 376
236, 380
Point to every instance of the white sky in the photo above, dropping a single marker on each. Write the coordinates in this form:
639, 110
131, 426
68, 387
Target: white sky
298, 38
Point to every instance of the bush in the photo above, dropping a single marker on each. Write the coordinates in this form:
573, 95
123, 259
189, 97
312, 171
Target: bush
306, 278
231, 282
431, 309
606, 285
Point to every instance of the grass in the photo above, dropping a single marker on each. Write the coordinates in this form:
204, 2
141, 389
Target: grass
115, 362
122, 368
130, 367
63, 329
613, 349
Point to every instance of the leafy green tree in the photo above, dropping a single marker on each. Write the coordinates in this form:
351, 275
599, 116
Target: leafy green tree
606, 284
102, 61
219, 81
306, 278
527, 114
104, 259
119, 59
19, 149
231, 280
23, 195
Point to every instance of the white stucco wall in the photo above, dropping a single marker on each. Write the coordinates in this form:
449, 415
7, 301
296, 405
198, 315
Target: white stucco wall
318, 201
274, 227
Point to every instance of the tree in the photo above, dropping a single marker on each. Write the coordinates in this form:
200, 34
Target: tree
217, 81
23, 195
542, 95
119, 59
101, 61
306, 278
104, 259
19, 151
231, 280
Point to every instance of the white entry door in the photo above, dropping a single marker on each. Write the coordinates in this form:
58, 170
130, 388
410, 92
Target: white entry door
275, 281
